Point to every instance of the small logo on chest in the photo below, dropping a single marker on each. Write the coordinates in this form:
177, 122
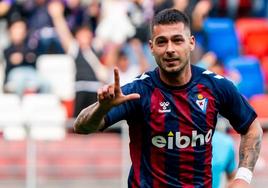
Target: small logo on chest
202, 102
164, 107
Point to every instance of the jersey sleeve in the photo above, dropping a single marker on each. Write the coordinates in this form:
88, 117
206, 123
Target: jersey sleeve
127, 110
234, 106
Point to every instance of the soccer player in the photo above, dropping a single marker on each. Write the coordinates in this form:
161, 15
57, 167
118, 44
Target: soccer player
172, 113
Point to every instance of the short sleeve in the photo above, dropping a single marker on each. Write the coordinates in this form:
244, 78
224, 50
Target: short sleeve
73, 49
234, 106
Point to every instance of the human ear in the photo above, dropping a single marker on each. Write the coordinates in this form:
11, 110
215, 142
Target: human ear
192, 43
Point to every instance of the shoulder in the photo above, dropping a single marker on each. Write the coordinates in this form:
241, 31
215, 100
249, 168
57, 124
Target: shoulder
141, 84
207, 74
210, 78
142, 80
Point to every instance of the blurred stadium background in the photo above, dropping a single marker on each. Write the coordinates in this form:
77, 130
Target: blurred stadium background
37, 144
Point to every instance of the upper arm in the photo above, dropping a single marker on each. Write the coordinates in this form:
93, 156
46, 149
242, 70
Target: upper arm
234, 106
255, 129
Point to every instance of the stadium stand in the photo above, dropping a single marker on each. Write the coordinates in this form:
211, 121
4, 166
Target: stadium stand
11, 120
264, 66
251, 76
260, 103
44, 115
102, 160
59, 71
221, 31
253, 36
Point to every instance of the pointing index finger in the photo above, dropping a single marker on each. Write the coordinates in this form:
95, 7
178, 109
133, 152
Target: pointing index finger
116, 81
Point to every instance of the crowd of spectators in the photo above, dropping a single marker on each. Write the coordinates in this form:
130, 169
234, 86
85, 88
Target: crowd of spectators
98, 35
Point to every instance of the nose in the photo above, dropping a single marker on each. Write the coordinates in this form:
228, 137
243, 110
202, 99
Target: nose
170, 48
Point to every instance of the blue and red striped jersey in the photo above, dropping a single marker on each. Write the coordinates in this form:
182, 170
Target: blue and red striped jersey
170, 128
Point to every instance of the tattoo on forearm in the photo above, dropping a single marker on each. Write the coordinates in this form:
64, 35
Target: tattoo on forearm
249, 151
81, 118
89, 120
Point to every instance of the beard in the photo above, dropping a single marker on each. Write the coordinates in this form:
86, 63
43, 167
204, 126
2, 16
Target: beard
171, 67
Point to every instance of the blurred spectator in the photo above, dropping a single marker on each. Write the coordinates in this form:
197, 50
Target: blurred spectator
89, 70
162, 4
260, 8
41, 34
20, 72
74, 13
233, 9
128, 71
92, 14
223, 160
37, 15
199, 11
140, 13
115, 25
210, 62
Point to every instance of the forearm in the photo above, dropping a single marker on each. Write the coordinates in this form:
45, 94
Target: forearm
90, 120
63, 31
250, 146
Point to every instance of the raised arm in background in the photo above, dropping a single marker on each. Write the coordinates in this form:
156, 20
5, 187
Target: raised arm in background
56, 11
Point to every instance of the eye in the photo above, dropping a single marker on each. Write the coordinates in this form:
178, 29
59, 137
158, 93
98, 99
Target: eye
178, 40
161, 42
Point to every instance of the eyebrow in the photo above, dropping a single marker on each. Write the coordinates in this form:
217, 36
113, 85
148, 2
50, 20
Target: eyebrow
173, 36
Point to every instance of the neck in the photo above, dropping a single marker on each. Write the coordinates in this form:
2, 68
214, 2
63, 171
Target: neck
178, 78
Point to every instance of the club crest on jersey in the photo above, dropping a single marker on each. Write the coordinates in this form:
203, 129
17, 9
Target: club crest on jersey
202, 102
164, 107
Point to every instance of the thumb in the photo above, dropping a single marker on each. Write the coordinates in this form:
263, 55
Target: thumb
132, 96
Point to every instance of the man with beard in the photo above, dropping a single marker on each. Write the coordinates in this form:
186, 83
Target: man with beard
172, 113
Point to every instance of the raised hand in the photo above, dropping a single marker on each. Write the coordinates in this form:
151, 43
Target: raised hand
55, 9
111, 95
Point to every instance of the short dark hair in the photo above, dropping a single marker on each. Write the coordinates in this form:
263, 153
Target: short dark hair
170, 16
78, 28
14, 20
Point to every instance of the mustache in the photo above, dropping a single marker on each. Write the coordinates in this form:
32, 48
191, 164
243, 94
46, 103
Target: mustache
171, 58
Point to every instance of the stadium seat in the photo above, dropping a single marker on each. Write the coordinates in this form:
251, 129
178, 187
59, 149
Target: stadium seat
244, 26
253, 35
59, 71
251, 76
45, 116
11, 121
221, 38
256, 44
264, 65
